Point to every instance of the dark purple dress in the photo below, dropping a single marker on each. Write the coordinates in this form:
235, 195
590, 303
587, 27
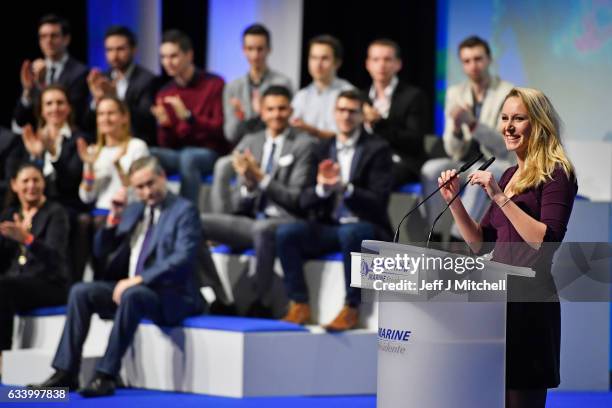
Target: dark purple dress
533, 328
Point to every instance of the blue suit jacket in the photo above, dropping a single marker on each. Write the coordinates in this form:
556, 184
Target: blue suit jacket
170, 263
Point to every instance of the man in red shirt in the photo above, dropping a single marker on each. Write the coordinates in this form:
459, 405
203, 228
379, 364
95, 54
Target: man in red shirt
189, 113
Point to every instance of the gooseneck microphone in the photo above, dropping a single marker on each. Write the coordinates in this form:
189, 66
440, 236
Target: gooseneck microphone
484, 166
463, 168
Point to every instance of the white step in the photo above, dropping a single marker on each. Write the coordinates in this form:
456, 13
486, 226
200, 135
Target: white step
227, 362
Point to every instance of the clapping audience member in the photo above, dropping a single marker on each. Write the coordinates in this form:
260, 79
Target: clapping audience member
56, 67
189, 113
396, 111
348, 203
470, 127
106, 164
33, 247
241, 97
130, 82
274, 166
313, 106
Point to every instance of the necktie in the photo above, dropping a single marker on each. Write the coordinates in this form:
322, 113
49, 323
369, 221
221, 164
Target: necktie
145, 243
263, 200
270, 163
52, 75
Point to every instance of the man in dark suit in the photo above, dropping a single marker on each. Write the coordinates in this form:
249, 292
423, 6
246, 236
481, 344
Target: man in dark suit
150, 248
57, 67
396, 111
348, 204
274, 166
130, 82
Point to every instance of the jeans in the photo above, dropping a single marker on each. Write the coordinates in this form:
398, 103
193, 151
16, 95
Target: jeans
191, 163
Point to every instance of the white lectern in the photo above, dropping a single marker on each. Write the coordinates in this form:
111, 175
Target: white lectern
437, 348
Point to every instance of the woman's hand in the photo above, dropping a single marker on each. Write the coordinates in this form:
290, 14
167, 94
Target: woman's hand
32, 141
15, 230
486, 180
49, 135
450, 189
86, 155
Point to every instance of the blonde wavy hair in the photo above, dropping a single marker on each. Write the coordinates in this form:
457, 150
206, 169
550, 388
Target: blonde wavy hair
544, 149
126, 133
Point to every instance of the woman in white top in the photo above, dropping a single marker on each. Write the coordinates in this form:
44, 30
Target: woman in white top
106, 164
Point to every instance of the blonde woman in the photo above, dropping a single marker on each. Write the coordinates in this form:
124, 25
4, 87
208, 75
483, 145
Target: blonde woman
107, 162
531, 205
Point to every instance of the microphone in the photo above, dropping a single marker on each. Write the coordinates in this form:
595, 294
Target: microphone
470, 163
484, 166
463, 168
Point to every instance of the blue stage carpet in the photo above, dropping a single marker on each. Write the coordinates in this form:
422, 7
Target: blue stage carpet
150, 399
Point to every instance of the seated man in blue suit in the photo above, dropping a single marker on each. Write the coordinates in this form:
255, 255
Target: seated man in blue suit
348, 204
151, 249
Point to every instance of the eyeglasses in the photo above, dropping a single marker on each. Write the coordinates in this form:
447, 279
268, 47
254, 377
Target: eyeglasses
349, 111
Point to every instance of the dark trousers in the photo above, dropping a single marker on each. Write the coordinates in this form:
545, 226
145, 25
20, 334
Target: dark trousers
85, 299
298, 241
241, 232
20, 294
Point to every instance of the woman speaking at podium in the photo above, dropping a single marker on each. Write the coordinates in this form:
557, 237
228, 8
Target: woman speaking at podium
531, 206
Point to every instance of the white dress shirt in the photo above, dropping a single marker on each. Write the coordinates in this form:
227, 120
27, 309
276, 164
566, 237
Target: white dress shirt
316, 106
122, 81
271, 209
382, 103
64, 133
345, 152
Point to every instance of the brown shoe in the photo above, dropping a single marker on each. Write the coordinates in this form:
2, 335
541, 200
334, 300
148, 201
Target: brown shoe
347, 319
299, 313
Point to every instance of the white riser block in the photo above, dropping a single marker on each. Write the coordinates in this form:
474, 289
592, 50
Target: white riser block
32, 366
236, 364
37, 332
44, 333
187, 360
310, 364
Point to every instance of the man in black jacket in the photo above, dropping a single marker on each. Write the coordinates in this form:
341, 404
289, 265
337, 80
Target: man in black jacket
130, 82
348, 204
396, 111
57, 67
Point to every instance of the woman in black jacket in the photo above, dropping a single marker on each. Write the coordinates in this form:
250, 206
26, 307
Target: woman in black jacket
33, 245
